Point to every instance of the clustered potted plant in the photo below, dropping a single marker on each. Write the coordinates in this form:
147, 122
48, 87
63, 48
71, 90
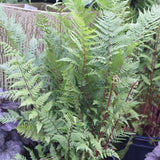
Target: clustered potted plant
148, 126
80, 94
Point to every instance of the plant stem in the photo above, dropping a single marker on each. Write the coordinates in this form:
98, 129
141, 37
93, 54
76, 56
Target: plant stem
84, 61
131, 90
30, 93
108, 103
60, 28
148, 105
104, 94
107, 141
105, 115
69, 140
79, 111
83, 70
149, 43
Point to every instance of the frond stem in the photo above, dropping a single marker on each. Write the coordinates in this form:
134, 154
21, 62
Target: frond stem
108, 139
108, 103
105, 115
131, 90
104, 94
29, 92
84, 61
69, 139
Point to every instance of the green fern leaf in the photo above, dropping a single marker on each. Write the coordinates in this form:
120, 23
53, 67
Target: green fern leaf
84, 147
18, 84
10, 116
36, 89
33, 114
111, 152
33, 157
27, 102
145, 79
42, 99
20, 157
62, 141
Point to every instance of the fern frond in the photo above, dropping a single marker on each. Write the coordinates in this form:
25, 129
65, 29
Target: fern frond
147, 22
43, 99
53, 153
27, 102
83, 147
110, 152
61, 140
20, 157
36, 89
29, 130
51, 124
97, 145
10, 116
32, 155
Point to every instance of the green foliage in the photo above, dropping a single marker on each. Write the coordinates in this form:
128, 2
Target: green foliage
142, 4
11, 116
20, 157
77, 97
148, 51
84, 111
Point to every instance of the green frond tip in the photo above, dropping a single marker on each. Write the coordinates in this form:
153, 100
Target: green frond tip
84, 148
20, 157
43, 99
32, 155
36, 89
97, 145
27, 102
62, 141
33, 114
29, 130
111, 153
10, 116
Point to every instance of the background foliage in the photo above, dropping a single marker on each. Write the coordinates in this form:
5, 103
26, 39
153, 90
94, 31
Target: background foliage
80, 94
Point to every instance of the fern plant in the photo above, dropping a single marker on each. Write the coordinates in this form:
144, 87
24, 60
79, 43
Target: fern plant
77, 98
149, 69
142, 4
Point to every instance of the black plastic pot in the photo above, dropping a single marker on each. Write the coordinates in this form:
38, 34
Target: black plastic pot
139, 148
